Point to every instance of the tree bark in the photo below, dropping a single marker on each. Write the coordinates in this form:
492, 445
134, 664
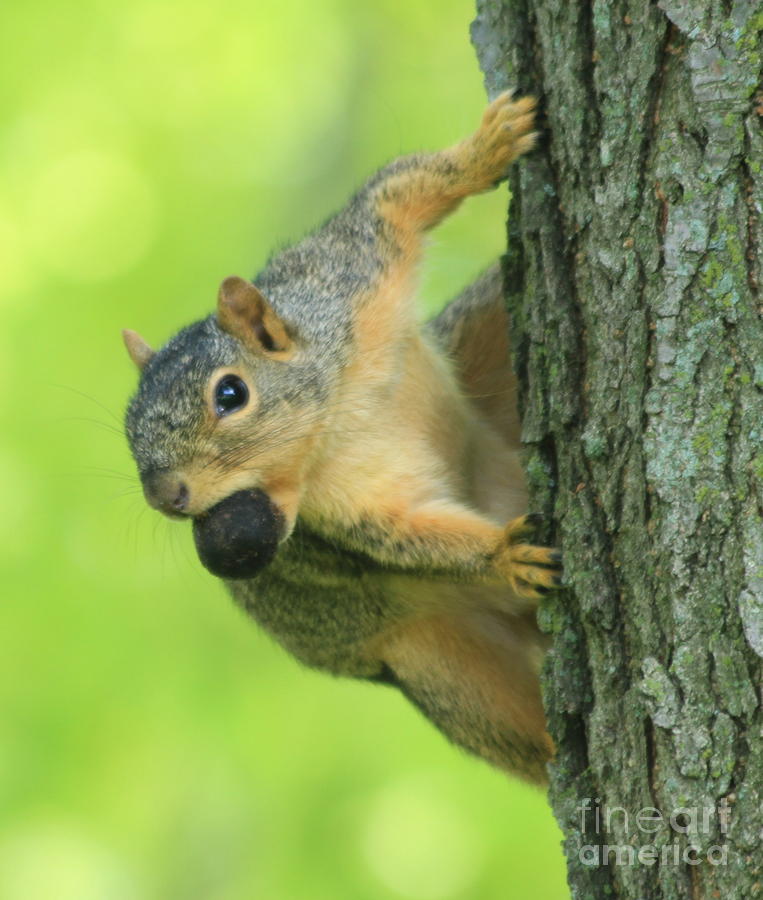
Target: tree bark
633, 270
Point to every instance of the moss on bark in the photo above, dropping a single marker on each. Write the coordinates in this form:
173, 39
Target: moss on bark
633, 269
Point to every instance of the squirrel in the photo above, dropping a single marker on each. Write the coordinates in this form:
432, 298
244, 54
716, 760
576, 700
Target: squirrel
350, 473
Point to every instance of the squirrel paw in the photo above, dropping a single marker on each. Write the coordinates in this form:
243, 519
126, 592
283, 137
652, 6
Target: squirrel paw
505, 133
531, 571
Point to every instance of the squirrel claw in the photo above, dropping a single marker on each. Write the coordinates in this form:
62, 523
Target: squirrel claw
531, 570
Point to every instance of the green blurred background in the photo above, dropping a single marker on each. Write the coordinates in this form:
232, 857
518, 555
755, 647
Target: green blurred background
153, 744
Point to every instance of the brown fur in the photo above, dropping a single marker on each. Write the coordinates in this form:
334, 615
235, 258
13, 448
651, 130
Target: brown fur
391, 452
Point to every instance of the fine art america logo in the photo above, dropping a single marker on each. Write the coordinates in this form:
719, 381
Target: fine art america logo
680, 835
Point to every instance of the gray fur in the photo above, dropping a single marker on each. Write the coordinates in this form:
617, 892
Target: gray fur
321, 602
322, 598
164, 417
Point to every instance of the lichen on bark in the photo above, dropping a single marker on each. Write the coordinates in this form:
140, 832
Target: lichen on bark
633, 272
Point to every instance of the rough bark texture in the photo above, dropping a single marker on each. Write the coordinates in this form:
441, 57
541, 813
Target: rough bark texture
634, 259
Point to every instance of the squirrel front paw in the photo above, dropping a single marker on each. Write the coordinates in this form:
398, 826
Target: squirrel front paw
532, 571
504, 134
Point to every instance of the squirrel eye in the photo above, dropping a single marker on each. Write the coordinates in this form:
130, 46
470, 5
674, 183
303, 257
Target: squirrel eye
231, 394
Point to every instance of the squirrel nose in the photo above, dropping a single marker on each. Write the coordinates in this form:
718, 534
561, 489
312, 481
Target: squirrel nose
166, 492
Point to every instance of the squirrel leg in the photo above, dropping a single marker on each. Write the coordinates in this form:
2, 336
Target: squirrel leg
407, 198
416, 192
476, 679
454, 540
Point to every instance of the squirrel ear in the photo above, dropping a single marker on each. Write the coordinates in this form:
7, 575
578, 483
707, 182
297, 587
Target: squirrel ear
243, 312
140, 352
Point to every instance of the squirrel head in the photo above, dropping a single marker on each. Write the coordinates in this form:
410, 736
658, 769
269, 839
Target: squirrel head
230, 403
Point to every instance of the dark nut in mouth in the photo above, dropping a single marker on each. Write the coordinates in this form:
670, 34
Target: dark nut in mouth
238, 537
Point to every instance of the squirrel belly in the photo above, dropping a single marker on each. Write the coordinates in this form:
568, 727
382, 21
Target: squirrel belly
353, 476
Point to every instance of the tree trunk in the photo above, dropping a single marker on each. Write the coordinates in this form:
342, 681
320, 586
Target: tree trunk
633, 267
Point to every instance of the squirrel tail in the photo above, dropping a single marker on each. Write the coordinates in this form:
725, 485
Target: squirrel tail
473, 330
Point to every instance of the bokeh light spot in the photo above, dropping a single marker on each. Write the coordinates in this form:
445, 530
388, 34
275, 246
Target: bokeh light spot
417, 845
91, 215
14, 263
55, 860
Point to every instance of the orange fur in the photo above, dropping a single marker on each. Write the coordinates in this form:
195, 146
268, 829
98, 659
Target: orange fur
484, 671
394, 462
